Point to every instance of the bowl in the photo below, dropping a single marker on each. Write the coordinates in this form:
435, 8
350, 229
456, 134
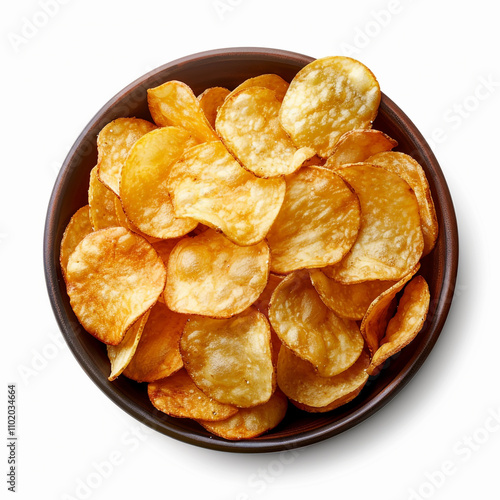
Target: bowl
228, 68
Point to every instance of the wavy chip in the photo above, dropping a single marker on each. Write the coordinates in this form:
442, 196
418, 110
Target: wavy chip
157, 354
210, 101
211, 276
174, 103
249, 126
327, 98
407, 322
411, 171
358, 145
311, 330
390, 240
269, 81
113, 145
101, 203
113, 277
230, 359
178, 396
301, 383
208, 185
318, 222
143, 187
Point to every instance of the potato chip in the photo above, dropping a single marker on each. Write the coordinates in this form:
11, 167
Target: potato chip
311, 330
78, 227
390, 241
347, 301
143, 187
125, 222
300, 382
113, 277
121, 354
318, 222
178, 396
358, 145
101, 203
210, 101
158, 355
174, 103
249, 126
405, 325
113, 144
212, 276
249, 423
209, 185
380, 311
268, 81
411, 171
230, 359
327, 98
343, 400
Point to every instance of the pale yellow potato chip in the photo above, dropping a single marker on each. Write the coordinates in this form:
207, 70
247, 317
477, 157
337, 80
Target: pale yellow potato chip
212, 276
390, 240
210, 101
347, 301
178, 396
301, 383
412, 172
230, 359
318, 222
312, 331
158, 355
113, 277
101, 203
78, 227
249, 126
113, 144
249, 423
121, 354
268, 81
327, 98
358, 145
174, 103
407, 322
143, 187
208, 185
379, 312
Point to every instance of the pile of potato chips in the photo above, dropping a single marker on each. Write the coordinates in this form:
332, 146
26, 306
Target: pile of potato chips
248, 247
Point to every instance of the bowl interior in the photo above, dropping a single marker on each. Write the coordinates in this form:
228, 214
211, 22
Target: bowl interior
228, 68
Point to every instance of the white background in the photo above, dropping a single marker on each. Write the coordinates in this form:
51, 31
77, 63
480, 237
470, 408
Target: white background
433, 59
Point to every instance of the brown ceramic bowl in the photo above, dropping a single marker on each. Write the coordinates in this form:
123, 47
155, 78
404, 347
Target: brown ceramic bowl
227, 68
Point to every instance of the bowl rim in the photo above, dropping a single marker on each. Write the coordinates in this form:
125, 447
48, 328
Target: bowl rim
442, 303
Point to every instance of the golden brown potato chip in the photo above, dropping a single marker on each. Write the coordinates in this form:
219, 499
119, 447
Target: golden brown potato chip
358, 145
78, 227
230, 359
380, 311
209, 185
101, 203
327, 98
311, 330
318, 222
408, 321
332, 406
390, 240
113, 144
347, 301
211, 276
249, 126
174, 103
211, 100
143, 187
300, 382
113, 277
268, 81
250, 422
158, 355
411, 171
121, 354
178, 396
